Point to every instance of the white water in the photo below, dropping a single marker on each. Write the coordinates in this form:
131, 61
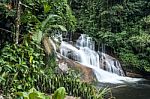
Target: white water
106, 68
110, 64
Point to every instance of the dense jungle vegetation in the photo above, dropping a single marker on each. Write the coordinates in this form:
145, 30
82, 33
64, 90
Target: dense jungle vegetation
122, 25
24, 65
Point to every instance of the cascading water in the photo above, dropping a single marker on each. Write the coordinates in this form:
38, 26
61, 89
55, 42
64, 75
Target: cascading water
110, 64
106, 68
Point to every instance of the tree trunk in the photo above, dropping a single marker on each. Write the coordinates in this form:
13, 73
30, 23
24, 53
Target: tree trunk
18, 22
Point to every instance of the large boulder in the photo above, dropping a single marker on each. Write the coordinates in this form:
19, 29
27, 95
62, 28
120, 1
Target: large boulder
65, 63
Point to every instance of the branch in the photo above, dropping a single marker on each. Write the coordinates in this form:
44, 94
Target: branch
6, 30
27, 6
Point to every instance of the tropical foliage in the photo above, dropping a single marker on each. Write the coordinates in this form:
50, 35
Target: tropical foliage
122, 25
23, 23
20, 66
34, 94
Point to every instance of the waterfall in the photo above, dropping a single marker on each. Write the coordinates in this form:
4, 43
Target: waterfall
105, 67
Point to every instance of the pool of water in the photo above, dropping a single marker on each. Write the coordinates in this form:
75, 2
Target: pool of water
137, 90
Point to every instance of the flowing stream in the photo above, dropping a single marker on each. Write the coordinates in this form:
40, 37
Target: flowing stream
106, 68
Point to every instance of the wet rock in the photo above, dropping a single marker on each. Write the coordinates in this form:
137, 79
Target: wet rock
63, 66
134, 75
88, 75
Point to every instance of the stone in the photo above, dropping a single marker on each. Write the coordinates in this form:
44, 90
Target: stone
88, 74
134, 75
63, 66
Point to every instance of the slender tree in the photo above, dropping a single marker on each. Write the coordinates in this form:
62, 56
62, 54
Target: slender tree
18, 21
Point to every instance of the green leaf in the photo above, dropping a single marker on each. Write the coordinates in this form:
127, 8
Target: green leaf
32, 90
50, 17
34, 95
1, 79
19, 87
60, 93
31, 59
46, 8
23, 94
4, 74
0, 69
37, 36
62, 28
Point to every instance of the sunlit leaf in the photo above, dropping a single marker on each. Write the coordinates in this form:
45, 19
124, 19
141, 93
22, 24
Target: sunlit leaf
31, 59
46, 8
